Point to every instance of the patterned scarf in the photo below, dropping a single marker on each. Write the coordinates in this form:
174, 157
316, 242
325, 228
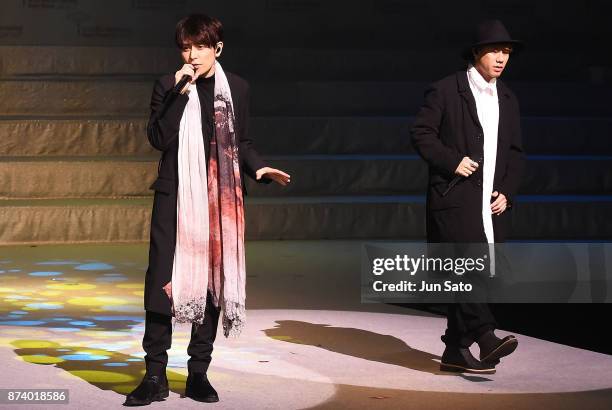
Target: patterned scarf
209, 253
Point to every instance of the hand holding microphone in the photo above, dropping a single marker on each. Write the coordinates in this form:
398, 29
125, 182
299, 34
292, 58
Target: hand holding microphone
184, 76
466, 167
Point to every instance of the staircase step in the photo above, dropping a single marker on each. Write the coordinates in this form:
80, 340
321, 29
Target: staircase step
408, 175
308, 24
16, 61
568, 175
263, 63
391, 135
403, 217
126, 136
563, 217
65, 177
312, 175
48, 221
567, 135
128, 96
75, 97
374, 217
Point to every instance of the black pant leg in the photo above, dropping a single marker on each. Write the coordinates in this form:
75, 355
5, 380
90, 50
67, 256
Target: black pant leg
469, 317
467, 322
202, 339
156, 341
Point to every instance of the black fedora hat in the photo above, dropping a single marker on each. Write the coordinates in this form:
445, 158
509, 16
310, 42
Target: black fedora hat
491, 32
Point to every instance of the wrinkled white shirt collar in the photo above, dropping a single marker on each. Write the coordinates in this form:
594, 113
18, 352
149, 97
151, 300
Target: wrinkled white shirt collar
477, 80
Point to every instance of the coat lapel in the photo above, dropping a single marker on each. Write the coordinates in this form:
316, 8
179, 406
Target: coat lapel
502, 129
503, 96
466, 93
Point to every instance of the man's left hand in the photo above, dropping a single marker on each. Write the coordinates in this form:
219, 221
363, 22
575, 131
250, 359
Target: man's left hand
500, 204
274, 174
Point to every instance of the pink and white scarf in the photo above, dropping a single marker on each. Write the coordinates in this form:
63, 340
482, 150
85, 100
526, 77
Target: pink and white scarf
209, 251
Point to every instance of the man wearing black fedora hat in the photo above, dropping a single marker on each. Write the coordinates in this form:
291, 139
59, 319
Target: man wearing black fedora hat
468, 131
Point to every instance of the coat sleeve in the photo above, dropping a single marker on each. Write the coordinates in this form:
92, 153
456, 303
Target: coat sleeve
516, 163
425, 134
250, 157
166, 111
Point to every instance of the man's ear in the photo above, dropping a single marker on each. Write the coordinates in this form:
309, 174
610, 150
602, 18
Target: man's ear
219, 49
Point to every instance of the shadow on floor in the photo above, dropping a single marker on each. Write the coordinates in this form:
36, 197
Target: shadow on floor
359, 343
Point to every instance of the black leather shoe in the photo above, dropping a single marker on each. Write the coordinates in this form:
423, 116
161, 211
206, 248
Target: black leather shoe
150, 389
493, 348
199, 388
460, 360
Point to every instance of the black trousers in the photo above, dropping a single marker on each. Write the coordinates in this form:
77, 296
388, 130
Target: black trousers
469, 318
158, 339
467, 322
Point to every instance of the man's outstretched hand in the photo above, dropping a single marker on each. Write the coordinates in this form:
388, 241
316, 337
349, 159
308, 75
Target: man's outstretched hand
274, 174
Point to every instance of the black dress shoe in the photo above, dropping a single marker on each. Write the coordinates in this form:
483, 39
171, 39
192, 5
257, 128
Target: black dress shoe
150, 389
493, 348
199, 388
460, 360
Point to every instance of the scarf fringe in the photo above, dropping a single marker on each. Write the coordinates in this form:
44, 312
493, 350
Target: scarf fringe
234, 319
190, 311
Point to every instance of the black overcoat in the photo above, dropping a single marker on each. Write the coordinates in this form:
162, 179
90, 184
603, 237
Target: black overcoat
445, 130
162, 131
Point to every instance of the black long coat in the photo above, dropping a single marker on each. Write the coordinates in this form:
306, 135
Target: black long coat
445, 130
162, 131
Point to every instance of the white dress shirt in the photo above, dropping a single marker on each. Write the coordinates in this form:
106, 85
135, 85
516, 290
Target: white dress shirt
487, 107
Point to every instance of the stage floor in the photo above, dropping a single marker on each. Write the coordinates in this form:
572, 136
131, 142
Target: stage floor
72, 318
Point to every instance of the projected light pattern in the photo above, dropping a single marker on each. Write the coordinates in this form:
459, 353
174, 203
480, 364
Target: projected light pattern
94, 266
84, 316
44, 273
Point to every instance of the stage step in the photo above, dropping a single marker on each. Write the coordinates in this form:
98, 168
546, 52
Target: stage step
118, 177
126, 136
354, 217
74, 126
131, 96
267, 63
66, 177
76, 136
47, 221
394, 217
104, 96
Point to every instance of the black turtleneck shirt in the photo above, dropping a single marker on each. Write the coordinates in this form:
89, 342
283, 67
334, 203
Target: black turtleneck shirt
206, 91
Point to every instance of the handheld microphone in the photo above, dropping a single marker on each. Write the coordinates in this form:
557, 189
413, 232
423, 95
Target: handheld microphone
181, 84
452, 184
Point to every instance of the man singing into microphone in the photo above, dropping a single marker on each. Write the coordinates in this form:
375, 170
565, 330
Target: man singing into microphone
468, 131
196, 267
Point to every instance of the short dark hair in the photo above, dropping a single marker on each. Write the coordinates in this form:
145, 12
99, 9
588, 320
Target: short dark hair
198, 29
477, 50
